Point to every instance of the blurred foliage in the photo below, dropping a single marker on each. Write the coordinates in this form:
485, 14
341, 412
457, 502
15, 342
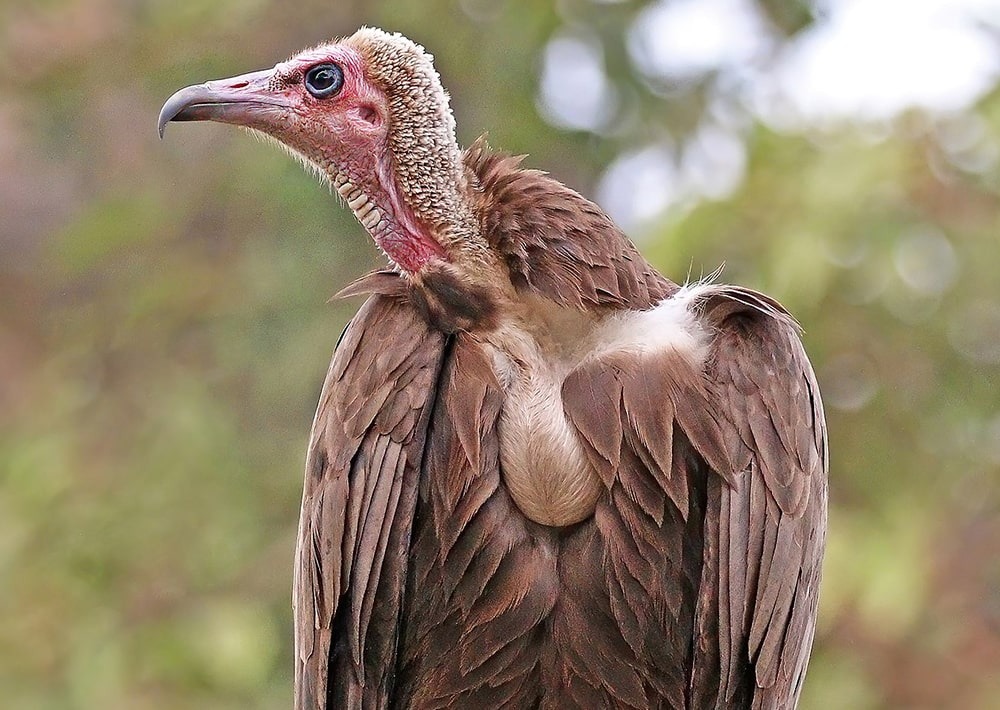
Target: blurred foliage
164, 335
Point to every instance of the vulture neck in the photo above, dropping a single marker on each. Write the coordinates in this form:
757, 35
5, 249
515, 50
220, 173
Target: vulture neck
440, 196
424, 162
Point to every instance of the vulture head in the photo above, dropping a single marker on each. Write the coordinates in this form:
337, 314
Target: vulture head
370, 115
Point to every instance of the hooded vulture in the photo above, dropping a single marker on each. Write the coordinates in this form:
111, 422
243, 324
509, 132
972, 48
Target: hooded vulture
541, 474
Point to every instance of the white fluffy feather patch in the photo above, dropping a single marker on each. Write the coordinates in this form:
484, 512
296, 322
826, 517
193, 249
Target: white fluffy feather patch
672, 325
545, 467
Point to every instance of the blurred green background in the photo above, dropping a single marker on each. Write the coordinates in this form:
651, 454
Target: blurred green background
164, 329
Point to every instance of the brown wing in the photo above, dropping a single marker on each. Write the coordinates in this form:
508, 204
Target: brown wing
760, 585
740, 447
358, 502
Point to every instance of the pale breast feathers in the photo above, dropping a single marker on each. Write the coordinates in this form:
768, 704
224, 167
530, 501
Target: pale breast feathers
544, 460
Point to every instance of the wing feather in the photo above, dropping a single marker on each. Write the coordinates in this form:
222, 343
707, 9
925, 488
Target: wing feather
742, 443
358, 502
774, 517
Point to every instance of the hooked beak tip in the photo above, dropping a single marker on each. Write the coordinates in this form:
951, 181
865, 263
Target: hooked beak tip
178, 103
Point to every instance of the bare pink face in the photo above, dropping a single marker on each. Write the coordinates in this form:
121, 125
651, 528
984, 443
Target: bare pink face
322, 106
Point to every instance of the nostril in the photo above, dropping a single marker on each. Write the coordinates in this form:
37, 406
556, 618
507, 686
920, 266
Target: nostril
239, 85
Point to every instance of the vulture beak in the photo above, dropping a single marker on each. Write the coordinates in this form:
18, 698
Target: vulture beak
240, 100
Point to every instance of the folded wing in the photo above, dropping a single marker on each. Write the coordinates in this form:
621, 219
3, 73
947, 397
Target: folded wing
741, 443
358, 503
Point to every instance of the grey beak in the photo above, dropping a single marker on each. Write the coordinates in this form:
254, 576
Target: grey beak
238, 100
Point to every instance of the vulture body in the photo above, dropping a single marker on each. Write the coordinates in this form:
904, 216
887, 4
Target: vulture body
541, 475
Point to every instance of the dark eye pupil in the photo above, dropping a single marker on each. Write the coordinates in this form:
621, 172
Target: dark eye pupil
324, 80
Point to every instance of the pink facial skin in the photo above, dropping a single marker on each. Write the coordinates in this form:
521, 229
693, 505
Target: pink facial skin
345, 135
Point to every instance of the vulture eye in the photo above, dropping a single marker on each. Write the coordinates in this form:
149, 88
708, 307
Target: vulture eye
324, 80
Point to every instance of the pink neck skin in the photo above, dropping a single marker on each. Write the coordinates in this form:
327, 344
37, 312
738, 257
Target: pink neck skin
411, 251
406, 240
